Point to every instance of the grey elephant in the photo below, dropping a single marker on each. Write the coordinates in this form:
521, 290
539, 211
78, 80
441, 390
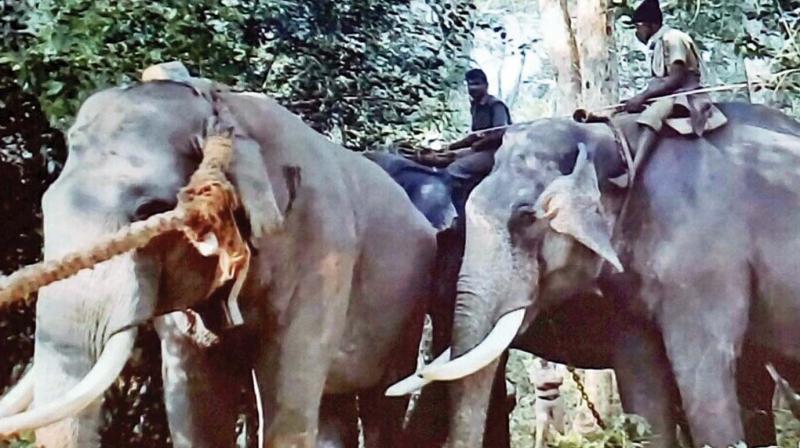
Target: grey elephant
701, 250
333, 303
582, 332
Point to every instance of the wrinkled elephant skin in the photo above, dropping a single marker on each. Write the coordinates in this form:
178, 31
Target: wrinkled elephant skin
702, 258
333, 302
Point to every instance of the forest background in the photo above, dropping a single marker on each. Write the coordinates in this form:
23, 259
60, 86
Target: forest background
367, 73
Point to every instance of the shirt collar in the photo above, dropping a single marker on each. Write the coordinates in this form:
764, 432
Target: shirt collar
655, 37
482, 102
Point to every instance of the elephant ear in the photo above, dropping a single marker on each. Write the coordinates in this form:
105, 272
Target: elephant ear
248, 173
572, 205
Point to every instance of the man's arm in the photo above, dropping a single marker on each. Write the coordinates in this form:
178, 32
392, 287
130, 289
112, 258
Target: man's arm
659, 87
465, 142
490, 139
677, 47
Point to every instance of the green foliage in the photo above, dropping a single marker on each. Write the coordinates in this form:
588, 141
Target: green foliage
788, 429
727, 34
63, 51
622, 431
368, 71
770, 27
363, 71
26, 440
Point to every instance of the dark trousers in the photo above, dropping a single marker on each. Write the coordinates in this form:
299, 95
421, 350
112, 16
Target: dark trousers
474, 164
466, 172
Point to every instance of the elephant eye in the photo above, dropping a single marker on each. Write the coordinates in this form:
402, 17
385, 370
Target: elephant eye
522, 214
151, 206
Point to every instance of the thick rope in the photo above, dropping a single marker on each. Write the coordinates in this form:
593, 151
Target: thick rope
205, 207
26, 281
210, 201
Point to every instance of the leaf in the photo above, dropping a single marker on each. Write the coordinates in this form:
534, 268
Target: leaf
54, 87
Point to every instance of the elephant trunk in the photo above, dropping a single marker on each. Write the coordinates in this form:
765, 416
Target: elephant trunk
471, 393
19, 397
490, 304
108, 367
490, 309
85, 332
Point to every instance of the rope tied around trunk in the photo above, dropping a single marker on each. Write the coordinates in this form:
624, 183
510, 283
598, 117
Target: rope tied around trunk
204, 214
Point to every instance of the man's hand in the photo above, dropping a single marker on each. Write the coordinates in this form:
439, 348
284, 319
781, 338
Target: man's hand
458, 153
635, 104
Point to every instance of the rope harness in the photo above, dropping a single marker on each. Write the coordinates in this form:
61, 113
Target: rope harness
204, 214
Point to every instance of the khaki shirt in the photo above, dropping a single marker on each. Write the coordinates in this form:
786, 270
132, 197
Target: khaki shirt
668, 46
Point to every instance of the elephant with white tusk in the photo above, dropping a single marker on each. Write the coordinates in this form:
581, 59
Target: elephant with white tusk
705, 243
698, 257
333, 302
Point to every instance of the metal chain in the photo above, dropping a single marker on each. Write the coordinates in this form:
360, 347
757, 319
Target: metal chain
585, 396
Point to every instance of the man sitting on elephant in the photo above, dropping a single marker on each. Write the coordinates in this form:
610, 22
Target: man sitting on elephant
474, 154
675, 66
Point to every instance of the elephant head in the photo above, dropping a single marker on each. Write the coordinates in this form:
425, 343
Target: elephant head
536, 233
131, 149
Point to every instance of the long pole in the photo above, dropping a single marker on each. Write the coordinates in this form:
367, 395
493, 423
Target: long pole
722, 88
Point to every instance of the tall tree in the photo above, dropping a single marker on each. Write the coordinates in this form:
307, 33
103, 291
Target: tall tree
559, 37
598, 62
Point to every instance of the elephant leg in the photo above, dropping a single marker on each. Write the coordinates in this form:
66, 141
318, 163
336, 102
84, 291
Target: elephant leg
703, 329
496, 434
294, 359
202, 387
644, 378
469, 401
755, 389
338, 422
382, 418
428, 426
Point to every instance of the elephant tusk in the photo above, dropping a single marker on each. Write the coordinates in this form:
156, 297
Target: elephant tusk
785, 389
415, 382
108, 367
498, 340
18, 398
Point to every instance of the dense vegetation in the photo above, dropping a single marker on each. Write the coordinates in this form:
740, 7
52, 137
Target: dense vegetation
365, 72
357, 70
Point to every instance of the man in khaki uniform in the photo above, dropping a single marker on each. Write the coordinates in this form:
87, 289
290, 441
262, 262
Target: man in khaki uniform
675, 66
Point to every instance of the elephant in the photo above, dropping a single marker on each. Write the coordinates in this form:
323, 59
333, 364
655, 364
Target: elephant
575, 332
697, 256
333, 303
430, 189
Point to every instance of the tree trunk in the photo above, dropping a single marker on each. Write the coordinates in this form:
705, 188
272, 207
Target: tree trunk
600, 87
601, 389
595, 32
586, 68
563, 48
